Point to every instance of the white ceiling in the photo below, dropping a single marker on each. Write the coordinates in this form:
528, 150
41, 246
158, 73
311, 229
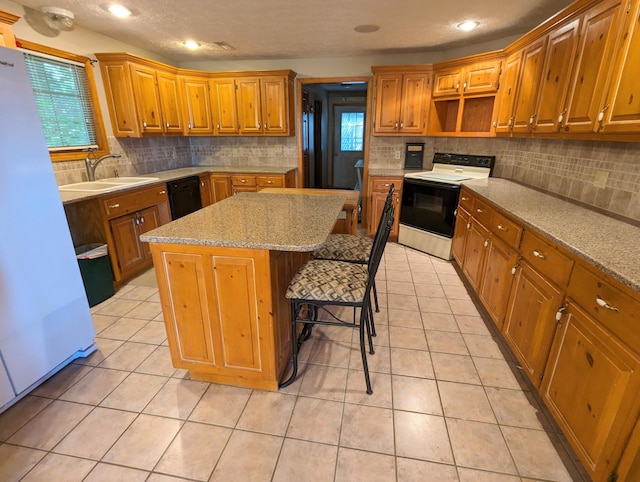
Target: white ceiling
280, 29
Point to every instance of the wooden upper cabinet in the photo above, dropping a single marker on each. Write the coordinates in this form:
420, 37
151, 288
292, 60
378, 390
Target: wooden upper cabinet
116, 77
225, 110
264, 106
197, 111
505, 102
621, 113
481, 78
592, 64
531, 72
401, 102
446, 82
170, 102
7, 38
147, 99
561, 49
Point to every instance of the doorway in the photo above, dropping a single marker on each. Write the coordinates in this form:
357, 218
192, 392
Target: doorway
334, 121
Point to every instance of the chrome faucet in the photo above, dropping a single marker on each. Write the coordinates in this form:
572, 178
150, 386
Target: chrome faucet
92, 164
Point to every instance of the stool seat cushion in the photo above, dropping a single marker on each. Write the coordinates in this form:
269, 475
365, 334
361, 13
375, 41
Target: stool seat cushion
329, 281
345, 247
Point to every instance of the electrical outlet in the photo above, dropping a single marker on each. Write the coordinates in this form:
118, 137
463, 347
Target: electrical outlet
397, 154
234, 152
601, 179
173, 153
277, 149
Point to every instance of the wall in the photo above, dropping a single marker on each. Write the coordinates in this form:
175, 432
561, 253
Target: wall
563, 167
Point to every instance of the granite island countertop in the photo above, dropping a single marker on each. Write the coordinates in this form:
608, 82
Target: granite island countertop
607, 243
172, 174
280, 222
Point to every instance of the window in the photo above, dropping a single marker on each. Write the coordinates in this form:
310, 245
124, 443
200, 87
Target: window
352, 134
66, 101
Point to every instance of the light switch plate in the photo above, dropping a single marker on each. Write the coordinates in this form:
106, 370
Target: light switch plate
600, 179
397, 154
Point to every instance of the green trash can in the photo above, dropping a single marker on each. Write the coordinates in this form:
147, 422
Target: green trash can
95, 269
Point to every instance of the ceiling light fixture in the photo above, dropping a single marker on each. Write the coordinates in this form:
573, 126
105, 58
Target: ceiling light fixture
367, 28
119, 11
191, 44
468, 25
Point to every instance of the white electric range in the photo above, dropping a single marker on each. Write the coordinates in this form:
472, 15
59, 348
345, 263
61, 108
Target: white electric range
430, 198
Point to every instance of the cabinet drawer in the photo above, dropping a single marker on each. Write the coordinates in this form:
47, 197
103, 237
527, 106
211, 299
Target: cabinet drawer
243, 180
270, 181
608, 304
506, 229
383, 184
466, 200
546, 258
482, 212
116, 205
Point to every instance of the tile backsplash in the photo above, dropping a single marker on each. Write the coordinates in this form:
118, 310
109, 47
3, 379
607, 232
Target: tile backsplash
244, 151
564, 167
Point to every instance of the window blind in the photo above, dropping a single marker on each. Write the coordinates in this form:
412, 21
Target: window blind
63, 99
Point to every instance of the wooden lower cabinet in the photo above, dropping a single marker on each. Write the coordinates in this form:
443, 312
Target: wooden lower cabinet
133, 254
476, 253
224, 309
591, 388
378, 191
206, 196
496, 285
459, 243
220, 187
530, 320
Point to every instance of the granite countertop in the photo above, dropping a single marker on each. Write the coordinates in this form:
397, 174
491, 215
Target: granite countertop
172, 174
389, 172
607, 243
281, 222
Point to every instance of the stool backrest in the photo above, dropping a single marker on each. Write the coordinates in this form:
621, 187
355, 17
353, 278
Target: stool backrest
379, 243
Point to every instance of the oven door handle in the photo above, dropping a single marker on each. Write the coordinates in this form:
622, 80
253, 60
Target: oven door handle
436, 184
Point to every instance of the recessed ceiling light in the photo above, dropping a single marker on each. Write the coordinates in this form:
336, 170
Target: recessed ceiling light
191, 44
468, 25
119, 11
367, 28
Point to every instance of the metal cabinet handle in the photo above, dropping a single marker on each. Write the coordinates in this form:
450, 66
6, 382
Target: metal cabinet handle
458, 87
606, 305
137, 221
218, 126
486, 243
538, 254
503, 228
601, 116
465, 198
189, 125
141, 219
559, 313
269, 182
259, 124
113, 206
401, 125
479, 210
387, 185
243, 180
395, 126
167, 126
514, 270
144, 125
468, 225
532, 119
464, 87
163, 192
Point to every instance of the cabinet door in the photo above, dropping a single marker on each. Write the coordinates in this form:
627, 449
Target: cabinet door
556, 72
128, 247
7, 38
593, 59
481, 78
532, 63
205, 191
220, 187
530, 319
622, 111
460, 234
170, 103
446, 83
225, 111
249, 106
476, 254
197, 106
147, 99
497, 279
388, 92
591, 388
120, 99
148, 219
274, 105
507, 93
413, 104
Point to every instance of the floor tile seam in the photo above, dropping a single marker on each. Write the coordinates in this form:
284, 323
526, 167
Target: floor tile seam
134, 368
134, 334
147, 404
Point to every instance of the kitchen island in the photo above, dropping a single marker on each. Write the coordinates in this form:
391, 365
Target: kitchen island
222, 275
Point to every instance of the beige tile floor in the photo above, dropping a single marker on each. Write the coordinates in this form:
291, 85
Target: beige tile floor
447, 404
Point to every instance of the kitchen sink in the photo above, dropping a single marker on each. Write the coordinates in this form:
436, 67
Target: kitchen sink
107, 184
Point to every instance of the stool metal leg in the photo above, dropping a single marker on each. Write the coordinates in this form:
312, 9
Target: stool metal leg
294, 348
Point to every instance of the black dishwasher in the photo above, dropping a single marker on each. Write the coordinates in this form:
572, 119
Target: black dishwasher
184, 196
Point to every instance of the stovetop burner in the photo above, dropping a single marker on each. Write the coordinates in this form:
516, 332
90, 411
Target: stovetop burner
455, 168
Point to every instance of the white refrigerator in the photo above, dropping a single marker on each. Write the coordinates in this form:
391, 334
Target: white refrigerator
45, 321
